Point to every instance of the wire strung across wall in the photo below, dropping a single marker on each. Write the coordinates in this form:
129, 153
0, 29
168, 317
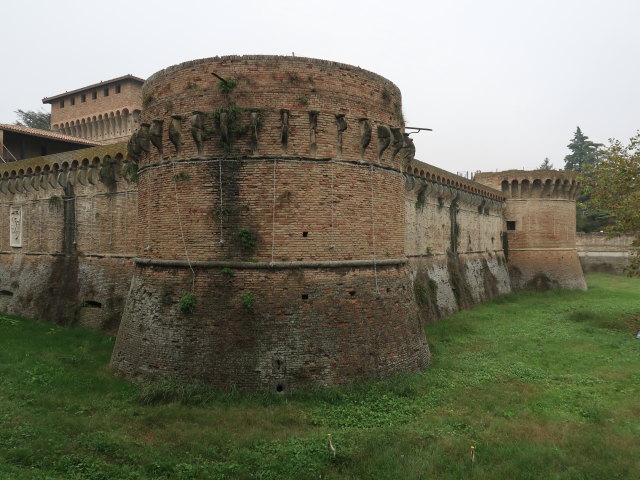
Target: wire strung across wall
184, 242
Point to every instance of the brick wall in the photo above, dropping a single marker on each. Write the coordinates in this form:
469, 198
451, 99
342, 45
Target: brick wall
313, 261
540, 223
312, 229
109, 118
73, 265
453, 230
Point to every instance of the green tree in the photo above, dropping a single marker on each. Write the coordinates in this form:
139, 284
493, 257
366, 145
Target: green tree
546, 165
613, 184
584, 152
584, 155
33, 119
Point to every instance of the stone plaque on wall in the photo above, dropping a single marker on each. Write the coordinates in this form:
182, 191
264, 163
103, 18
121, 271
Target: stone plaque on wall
15, 227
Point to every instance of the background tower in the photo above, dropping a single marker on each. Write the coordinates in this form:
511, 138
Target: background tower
270, 192
540, 227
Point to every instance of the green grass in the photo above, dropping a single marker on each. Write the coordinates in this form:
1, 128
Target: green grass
544, 385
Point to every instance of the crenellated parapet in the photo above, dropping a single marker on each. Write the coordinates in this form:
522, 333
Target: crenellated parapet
425, 179
540, 227
85, 167
558, 184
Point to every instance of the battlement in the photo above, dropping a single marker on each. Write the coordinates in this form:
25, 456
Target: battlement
416, 170
558, 184
57, 170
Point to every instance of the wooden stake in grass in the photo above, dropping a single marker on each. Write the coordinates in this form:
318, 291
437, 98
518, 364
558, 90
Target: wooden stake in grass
473, 454
330, 444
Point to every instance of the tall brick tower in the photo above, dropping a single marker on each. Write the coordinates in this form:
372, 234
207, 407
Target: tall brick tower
271, 227
540, 225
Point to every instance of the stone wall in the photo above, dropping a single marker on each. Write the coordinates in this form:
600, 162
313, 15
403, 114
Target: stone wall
600, 252
453, 230
69, 236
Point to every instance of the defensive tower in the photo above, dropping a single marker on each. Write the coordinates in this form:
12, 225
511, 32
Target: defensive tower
540, 227
270, 191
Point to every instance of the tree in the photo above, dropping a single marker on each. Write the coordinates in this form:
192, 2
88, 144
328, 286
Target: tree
584, 152
613, 184
546, 165
33, 119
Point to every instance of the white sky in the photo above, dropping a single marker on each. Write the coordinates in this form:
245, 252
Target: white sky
502, 83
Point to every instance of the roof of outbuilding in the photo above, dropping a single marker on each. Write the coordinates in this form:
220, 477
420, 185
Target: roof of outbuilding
48, 134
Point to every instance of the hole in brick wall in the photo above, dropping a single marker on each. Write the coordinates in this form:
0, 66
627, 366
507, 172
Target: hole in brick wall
441, 201
279, 387
388, 290
305, 234
91, 304
352, 292
511, 225
305, 296
6, 293
278, 364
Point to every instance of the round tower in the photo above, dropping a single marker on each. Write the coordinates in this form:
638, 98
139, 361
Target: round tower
270, 227
540, 227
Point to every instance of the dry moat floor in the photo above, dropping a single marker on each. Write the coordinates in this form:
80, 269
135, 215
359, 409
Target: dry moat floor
544, 385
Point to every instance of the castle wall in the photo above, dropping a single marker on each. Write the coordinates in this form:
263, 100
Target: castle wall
541, 227
599, 252
280, 234
453, 231
68, 240
107, 118
273, 203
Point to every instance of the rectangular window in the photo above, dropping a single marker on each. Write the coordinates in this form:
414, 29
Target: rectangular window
117, 88
61, 103
511, 225
106, 92
72, 101
83, 98
94, 95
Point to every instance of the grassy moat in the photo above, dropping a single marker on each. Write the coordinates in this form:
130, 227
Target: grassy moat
543, 385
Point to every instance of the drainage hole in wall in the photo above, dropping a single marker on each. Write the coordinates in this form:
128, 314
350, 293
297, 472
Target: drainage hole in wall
279, 387
91, 304
6, 293
305, 296
305, 234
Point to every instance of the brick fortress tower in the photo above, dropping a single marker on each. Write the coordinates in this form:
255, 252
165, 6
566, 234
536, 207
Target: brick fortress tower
540, 224
270, 192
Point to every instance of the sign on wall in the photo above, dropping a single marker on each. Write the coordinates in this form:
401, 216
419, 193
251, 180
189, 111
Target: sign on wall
15, 227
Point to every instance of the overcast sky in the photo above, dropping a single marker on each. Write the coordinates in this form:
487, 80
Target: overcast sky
503, 84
